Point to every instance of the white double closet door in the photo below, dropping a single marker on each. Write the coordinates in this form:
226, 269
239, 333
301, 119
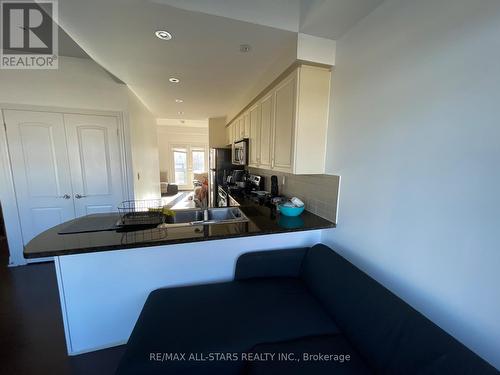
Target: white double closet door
63, 165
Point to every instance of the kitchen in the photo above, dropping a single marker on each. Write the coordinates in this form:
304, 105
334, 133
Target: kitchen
273, 136
153, 247
134, 258
126, 244
271, 176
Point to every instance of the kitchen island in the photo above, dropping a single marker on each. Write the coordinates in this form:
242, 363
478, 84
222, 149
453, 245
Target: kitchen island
105, 274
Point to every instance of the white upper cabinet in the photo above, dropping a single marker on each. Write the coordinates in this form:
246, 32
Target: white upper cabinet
245, 126
254, 116
266, 131
284, 122
237, 130
232, 131
287, 126
311, 119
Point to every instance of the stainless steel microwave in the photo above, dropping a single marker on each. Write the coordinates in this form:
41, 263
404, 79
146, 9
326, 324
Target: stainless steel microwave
240, 152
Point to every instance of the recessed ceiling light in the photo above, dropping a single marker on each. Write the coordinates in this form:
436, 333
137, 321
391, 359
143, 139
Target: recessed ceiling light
163, 35
179, 100
244, 48
174, 80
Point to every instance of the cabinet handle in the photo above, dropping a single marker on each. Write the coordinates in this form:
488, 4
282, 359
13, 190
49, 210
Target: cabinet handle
65, 196
78, 196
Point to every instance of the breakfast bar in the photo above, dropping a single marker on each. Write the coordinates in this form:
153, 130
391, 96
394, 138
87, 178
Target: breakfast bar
105, 273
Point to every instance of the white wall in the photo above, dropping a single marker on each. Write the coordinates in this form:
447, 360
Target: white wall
144, 145
78, 83
9, 207
246, 94
100, 309
315, 49
168, 135
416, 141
83, 84
217, 132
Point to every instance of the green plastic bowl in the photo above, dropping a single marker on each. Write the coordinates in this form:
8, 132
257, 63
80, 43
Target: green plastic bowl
291, 211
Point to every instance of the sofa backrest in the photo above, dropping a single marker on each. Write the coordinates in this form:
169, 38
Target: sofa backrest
391, 335
275, 263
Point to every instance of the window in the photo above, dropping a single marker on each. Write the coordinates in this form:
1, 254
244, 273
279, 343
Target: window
186, 161
180, 167
198, 161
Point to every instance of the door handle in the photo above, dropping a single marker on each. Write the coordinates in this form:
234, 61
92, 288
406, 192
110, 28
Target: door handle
65, 196
78, 196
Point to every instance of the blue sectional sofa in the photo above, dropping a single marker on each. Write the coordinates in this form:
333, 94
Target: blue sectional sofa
301, 311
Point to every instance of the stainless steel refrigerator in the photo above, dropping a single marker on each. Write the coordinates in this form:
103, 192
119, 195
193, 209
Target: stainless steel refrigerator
220, 167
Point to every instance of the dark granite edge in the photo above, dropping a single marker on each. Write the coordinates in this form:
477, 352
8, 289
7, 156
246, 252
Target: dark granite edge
168, 242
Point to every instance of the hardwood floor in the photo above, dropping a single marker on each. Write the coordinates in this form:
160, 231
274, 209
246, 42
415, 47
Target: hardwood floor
31, 331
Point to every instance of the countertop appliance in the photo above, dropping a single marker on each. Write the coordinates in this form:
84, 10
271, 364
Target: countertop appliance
253, 188
220, 167
237, 180
256, 187
240, 178
256, 182
240, 152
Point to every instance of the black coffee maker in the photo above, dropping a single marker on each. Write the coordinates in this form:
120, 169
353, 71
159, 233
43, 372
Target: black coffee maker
238, 178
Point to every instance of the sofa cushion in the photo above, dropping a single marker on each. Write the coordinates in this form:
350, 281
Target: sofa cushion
311, 355
223, 317
275, 263
390, 334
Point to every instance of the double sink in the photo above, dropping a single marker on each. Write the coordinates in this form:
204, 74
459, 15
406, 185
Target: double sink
224, 215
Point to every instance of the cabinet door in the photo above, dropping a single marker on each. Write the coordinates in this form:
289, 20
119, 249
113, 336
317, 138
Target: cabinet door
254, 135
266, 130
242, 127
95, 163
237, 130
284, 125
246, 125
228, 135
40, 168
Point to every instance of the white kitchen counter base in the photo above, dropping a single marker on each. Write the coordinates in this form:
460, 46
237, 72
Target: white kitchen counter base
102, 293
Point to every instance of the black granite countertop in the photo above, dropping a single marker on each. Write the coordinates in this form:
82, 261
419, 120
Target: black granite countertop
263, 220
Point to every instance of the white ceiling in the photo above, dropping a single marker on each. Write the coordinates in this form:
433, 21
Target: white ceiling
216, 78
280, 14
324, 18
182, 123
333, 18
204, 53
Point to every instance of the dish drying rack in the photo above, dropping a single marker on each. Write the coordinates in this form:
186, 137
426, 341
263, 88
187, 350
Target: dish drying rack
142, 213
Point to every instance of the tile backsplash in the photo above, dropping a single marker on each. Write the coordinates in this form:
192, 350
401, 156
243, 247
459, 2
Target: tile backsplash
318, 192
